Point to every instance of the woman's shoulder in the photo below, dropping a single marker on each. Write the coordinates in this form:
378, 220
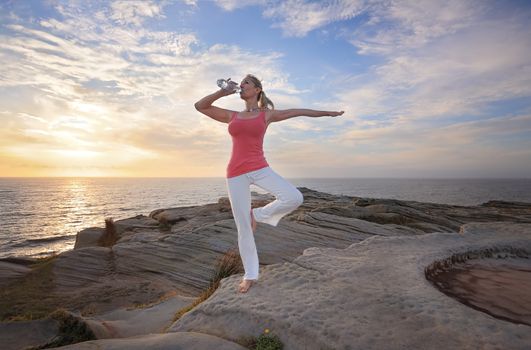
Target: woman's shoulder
271, 114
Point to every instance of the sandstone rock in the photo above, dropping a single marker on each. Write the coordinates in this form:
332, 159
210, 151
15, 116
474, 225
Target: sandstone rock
184, 257
129, 322
171, 341
173, 252
10, 272
371, 295
137, 222
505, 204
88, 237
499, 287
91, 236
89, 280
21, 335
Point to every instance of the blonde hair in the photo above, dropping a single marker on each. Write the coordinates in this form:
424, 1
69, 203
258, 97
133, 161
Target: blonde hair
263, 101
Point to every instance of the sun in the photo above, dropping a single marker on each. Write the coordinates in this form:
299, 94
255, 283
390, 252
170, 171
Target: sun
77, 154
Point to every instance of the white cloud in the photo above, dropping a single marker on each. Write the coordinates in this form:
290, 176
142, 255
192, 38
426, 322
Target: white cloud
99, 74
457, 59
89, 78
407, 24
299, 17
230, 5
134, 12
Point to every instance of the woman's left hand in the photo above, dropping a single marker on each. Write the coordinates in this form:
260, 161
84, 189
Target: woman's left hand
336, 114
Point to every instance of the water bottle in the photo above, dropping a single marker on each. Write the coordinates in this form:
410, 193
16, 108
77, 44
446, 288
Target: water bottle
228, 85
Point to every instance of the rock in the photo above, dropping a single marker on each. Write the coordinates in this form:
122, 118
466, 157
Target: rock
182, 258
88, 279
21, 335
173, 253
88, 237
10, 272
128, 322
499, 287
77, 268
171, 341
91, 237
505, 204
371, 295
137, 222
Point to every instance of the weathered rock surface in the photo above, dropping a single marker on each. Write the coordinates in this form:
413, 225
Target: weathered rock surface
183, 255
170, 341
11, 271
128, 322
91, 236
89, 280
499, 287
371, 295
88, 237
22, 335
171, 255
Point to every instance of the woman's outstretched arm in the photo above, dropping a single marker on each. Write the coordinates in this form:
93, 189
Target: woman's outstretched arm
279, 115
204, 106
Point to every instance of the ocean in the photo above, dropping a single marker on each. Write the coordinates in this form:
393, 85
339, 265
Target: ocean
41, 216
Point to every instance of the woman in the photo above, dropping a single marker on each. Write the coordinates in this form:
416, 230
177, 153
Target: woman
248, 165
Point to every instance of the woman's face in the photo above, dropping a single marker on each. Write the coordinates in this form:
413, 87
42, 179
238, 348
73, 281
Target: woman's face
248, 88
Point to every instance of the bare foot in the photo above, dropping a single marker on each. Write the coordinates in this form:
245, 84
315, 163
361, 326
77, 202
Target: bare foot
253, 221
245, 285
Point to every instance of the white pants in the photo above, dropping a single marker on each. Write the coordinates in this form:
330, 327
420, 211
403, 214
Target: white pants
288, 198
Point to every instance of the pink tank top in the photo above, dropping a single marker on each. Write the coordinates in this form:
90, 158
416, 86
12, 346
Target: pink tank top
247, 144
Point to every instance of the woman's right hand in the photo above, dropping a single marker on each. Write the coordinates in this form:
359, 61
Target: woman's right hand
231, 89
224, 92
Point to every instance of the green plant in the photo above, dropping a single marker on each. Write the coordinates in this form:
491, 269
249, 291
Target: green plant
268, 341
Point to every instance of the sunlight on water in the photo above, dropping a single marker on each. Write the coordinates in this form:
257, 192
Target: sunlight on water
40, 216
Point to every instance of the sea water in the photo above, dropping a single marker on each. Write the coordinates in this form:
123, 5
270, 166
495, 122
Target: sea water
41, 216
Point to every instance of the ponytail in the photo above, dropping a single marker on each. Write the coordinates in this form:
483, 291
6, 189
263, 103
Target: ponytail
263, 101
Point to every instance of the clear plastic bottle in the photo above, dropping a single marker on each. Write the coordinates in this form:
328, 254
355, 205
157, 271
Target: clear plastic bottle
228, 85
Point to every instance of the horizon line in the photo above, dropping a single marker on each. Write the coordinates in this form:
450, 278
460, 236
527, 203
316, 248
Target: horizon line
222, 177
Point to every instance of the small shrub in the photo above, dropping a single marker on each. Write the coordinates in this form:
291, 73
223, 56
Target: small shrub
265, 341
72, 330
110, 235
164, 223
268, 341
229, 264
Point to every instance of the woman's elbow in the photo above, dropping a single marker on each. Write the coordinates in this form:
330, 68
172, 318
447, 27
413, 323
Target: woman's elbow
197, 106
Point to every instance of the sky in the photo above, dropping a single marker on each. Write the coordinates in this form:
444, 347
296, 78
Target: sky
430, 89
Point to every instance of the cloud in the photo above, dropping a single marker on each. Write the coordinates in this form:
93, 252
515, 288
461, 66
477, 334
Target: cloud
134, 12
231, 5
95, 85
299, 17
462, 73
95, 79
397, 25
